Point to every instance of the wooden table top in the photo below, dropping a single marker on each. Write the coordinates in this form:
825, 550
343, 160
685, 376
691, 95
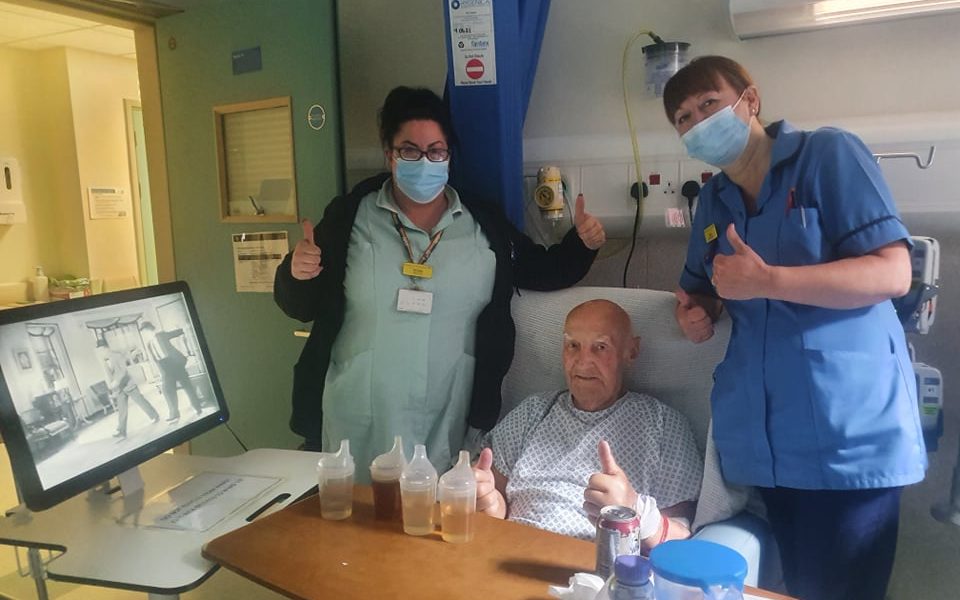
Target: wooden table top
297, 553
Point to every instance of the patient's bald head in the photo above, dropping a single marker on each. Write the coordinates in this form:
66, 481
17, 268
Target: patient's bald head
598, 345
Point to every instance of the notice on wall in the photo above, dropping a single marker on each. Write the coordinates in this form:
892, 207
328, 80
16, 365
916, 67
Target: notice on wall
472, 42
108, 202
256, 257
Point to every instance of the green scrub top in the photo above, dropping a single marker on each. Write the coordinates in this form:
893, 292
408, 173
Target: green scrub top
400, 373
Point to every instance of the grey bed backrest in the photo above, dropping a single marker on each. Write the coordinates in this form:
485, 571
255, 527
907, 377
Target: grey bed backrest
669, 367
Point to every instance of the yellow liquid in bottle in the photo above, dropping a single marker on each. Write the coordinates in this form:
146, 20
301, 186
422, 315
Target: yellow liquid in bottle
456, 519
418, 512
336, 498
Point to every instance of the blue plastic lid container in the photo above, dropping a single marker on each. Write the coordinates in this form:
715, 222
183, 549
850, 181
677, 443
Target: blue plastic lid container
631, 569
699, 564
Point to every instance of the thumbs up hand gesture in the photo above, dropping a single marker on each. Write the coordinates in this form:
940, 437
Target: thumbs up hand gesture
306, 255
588, 227
742, 275
489, 499
609, 486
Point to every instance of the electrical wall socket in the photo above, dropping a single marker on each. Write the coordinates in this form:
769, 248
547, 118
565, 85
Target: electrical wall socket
661, 177
695, 170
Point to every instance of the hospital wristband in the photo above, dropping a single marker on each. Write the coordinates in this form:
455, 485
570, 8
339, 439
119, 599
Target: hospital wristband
664, 528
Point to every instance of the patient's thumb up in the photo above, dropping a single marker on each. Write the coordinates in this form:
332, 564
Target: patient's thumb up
683, 298
485, 462
608, 464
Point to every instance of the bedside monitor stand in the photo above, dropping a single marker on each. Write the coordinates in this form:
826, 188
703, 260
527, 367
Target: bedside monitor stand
143, 540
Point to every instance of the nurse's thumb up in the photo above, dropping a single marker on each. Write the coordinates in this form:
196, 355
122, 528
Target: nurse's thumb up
608, 465
739, 246
308, 231
305, 263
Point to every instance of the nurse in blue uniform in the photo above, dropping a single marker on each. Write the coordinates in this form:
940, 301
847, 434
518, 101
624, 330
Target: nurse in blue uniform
814, 403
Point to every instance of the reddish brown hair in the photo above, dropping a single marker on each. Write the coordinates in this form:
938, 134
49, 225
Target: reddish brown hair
704, 73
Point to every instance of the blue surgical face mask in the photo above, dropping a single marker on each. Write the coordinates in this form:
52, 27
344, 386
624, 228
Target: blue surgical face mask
421, 180
720, 139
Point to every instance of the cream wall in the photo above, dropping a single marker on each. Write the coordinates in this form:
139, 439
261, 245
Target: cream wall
55, 175
20, 244
98, 86
62, 117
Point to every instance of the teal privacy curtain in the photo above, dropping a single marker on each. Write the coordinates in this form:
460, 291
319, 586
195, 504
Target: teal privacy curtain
488, 107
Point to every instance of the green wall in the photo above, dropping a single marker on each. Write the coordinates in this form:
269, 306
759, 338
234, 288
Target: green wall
250, 339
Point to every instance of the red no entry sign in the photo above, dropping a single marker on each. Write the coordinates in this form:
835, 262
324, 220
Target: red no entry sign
474, 68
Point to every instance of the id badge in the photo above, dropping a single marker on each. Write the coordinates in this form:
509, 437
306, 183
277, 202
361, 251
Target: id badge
412, 269
414, 301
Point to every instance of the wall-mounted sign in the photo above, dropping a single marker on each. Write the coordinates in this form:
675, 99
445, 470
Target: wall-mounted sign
246, 61
472, 42
108, 202
256, 257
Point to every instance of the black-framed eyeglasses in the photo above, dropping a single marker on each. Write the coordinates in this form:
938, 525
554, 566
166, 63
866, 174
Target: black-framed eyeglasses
413, 153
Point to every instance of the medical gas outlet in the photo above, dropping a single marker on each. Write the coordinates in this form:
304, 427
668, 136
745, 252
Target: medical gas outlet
549, 193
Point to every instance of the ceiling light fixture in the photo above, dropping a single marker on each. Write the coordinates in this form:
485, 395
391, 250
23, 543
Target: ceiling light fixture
756, 18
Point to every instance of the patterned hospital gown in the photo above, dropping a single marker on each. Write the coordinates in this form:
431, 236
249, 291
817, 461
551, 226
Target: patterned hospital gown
547, 450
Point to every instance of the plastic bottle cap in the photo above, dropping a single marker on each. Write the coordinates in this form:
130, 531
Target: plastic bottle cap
419, 474
458, 482
389, 465
698, 563
334, 465
632, 569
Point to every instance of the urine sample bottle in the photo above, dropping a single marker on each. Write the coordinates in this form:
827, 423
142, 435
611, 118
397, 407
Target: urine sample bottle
418, 492
385, 471
335, 479
457, 491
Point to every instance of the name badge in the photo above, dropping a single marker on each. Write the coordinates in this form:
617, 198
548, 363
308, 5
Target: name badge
415, 301
411, 269
710, 233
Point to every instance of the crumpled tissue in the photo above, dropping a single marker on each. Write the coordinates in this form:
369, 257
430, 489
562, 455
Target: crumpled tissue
583, 586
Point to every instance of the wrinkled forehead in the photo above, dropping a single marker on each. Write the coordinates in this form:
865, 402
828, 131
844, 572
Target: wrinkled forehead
586, 336
598, 325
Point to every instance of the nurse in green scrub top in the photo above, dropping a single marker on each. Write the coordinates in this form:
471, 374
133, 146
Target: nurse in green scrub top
408, 285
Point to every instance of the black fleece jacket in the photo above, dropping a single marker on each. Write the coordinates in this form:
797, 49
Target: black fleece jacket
520, 263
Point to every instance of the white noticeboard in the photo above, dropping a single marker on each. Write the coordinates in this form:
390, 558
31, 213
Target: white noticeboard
472, 42
256, 257
108, 202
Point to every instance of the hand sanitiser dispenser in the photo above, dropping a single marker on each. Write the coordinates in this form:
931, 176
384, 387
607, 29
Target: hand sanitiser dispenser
12, 209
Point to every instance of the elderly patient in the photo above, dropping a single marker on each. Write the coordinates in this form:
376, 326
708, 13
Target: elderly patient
550, 462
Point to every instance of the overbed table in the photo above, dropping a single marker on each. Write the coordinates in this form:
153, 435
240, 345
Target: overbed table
99, 550
298, 554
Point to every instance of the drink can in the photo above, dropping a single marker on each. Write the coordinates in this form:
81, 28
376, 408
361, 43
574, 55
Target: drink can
618, 532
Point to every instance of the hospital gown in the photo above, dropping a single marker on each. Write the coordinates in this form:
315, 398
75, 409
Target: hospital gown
547, 450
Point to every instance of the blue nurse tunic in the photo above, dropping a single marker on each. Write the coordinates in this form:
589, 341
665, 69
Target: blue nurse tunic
809, 397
